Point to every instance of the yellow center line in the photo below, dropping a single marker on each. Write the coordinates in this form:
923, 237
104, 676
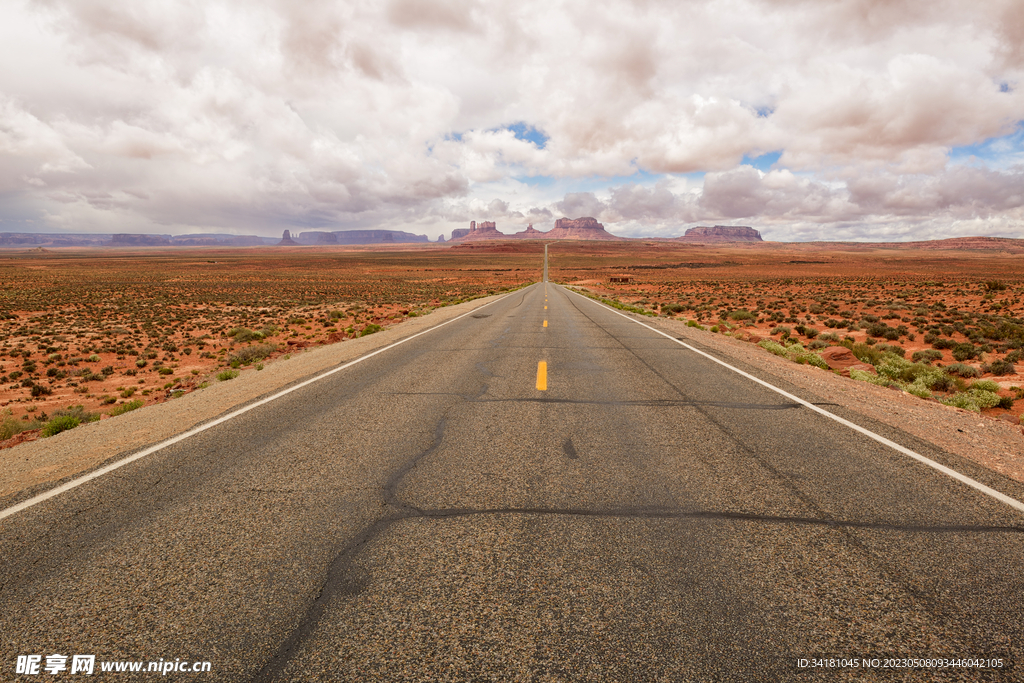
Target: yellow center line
542, 376
545, 308
545, 323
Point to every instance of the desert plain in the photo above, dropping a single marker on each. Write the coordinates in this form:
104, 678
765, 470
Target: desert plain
90, 333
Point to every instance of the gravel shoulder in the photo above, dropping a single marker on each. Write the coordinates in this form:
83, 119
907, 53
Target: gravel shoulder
32, 467
989, 442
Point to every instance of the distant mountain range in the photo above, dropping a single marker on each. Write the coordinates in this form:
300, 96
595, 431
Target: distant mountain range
585, 228
29, 239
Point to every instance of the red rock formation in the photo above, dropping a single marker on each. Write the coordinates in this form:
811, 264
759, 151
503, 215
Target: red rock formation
721, 233
287, 241
842, 359
586, 228
530, 233
486, 230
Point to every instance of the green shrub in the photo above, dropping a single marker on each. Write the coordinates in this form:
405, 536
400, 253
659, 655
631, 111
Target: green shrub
1001, 367
892, 366
672, 308
773, 347
107, 400
831, 337
811, 358
965, 351
942, 382
77, 411
251, 354
126, 407
941, 343
973, 399
926, 356
694, 323
370, 329
94, 358
962, 370
226, 375
865, 376
985, 385
60, 424
165, 371
244, 334
11, 427
741, 315
781, 329
866, 354
893, 349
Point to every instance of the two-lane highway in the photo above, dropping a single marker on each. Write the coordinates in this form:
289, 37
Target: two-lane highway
542, 490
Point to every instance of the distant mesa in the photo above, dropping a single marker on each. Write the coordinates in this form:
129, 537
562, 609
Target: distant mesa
360, 237
530, 233
440, 238
484, 230
586, 228
125, 240
287, 241
721, 233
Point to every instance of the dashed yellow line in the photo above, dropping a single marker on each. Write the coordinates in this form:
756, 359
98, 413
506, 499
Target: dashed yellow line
542, 376
545, 323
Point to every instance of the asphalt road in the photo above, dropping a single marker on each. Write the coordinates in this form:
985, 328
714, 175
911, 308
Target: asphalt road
433, 514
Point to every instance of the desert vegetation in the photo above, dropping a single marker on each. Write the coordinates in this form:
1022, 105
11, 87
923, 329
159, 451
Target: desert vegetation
113, 331
945, 326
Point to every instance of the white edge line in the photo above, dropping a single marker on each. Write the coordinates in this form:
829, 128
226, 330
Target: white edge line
67, 486
1001, 497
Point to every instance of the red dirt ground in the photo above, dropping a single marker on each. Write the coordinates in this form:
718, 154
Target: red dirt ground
74, 324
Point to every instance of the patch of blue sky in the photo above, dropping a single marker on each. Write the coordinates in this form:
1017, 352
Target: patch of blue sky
995, 152
524, 131
600, 184
763, 162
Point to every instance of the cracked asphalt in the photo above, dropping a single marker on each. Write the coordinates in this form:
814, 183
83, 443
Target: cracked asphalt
430, 515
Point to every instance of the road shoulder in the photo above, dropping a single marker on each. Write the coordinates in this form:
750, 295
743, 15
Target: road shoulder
994, 444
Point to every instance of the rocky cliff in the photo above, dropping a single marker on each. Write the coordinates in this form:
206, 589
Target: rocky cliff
128, 240
586, 228
530, 233
485, 230
359, 237
721, 233
286, 240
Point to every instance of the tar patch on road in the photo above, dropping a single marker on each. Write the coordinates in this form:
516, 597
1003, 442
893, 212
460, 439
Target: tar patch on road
570, 450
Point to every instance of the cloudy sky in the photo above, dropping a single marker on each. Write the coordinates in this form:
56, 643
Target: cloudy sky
807, 119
